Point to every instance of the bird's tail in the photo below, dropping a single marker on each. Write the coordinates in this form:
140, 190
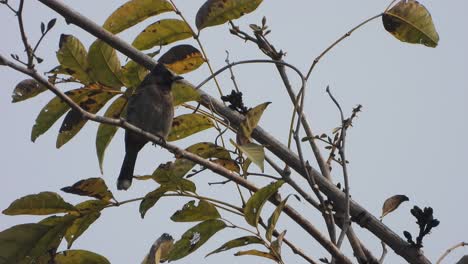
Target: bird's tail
126, 172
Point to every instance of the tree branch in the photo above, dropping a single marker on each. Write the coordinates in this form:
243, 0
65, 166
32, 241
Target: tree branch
359, 214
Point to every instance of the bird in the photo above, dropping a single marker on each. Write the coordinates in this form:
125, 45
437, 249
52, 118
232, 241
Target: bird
150, 108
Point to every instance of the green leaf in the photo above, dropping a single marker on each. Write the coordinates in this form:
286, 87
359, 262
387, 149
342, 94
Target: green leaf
105, 65
194, 213
228, 164
277, 244
255, 204
251, 120
217, 12
182, 59
73, 122
43, 203
239, 242
187, 125
90, 206
80, 257
51, 240
209, 150
151, 199
183, 92
133, 73
254, 152
172, 172
133, 12
105, 132
72, 56
409, 21
194, 238
26, 89
274, 219
161, 33
254, 252
54, 110
79, 226
19, 241
159, 250
93, 187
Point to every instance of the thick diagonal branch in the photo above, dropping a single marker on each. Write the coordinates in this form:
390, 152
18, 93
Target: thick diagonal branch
358, 213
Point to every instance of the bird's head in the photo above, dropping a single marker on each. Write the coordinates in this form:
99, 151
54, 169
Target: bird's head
162, 76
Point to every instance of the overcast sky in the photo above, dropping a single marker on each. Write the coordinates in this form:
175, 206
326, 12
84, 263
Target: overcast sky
409, 139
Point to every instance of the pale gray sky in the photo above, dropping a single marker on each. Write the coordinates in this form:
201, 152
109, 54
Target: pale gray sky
408, 140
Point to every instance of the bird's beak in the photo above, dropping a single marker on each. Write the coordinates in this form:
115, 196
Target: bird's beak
177, 78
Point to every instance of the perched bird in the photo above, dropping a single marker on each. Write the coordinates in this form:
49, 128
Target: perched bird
149, 108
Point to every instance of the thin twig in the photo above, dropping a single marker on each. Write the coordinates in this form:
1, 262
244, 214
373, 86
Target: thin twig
342, 151
461, 244
384, 253
360, 215
347, 34
233, 77
27, 47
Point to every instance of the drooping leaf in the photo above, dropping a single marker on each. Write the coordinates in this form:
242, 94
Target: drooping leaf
258, 253
106, 133
91, 206
254, 152
255, 204
151, 199
274, 219
133, 73
43, 203
277, 244
194, 213
79, 226
409, 21
228, 164
250, 122
55, 109
217, 12
93, 187
159, 250
73, 58
209, 150
17, 242
80, 257
182, 59
187, 125
73, 121
183, 92
133, 12
172, 172
161, 33
26, 89
105, 65
51, 240
194, 238
392, 203
238, 242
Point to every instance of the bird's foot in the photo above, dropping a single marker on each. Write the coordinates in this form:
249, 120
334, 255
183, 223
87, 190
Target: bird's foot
162, 141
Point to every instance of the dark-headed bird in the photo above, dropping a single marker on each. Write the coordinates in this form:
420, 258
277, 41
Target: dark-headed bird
150, 108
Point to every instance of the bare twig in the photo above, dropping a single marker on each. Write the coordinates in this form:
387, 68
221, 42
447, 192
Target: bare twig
347, 34
341, 150
461, 244
384, 253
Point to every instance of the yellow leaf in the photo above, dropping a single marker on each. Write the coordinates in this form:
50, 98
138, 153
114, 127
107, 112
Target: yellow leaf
409, 21
161, 33
133, 12
392, 203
